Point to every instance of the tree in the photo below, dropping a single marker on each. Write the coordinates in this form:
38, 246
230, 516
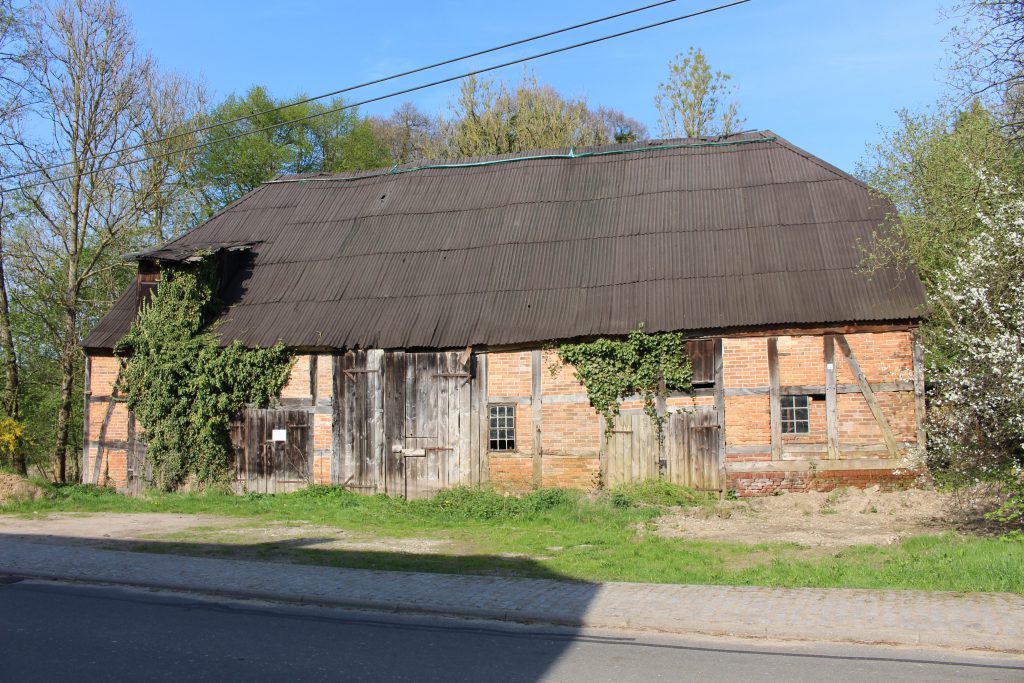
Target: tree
692, 102
988, 58
91, 90
408, 134
930, 168
977, 411
490, 118
15, 62
235, 162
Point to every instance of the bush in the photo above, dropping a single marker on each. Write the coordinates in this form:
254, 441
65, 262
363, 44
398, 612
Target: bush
465, 502
656, 492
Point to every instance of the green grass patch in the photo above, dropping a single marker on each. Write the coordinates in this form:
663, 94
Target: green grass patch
555, 533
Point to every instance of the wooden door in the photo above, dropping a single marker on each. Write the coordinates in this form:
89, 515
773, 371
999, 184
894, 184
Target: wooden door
691, 449
687, 454
359, 459
630, 451
140, 471
273, 450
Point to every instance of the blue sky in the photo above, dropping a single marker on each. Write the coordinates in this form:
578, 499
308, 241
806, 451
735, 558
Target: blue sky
824, 74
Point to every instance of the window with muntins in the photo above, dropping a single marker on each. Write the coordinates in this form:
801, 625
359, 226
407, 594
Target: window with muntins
796, 414
503, 428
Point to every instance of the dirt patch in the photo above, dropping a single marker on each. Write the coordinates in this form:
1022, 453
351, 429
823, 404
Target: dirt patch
843, 517
14, 488
203, 530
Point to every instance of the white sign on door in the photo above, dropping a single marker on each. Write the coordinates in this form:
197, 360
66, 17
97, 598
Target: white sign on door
279, 435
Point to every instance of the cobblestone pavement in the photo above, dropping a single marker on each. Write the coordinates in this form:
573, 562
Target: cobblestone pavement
993, 621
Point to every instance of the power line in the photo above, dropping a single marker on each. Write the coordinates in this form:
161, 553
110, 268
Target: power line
350, 88
335, 110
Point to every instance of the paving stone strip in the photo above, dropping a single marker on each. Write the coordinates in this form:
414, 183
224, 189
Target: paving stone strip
992, 621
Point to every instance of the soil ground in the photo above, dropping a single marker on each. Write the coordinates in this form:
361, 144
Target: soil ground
14, 488
843, 517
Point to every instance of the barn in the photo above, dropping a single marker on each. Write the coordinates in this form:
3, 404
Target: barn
422, 303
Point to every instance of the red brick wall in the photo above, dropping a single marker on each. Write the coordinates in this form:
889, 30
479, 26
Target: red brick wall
749, 484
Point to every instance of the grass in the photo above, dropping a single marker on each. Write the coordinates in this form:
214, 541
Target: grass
558, 533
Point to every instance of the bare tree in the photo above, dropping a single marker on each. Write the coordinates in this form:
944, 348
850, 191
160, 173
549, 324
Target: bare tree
96, 95
15, 62
408, 133
988, 58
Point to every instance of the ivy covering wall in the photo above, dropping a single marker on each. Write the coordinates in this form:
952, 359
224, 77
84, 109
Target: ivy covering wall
184, 386
646, 364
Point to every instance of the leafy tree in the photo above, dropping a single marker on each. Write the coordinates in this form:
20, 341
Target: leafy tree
232, 166
692, 101
929, 167
491, 118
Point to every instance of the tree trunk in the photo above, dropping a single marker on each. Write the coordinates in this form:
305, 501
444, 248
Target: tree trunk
10, 359
67, 382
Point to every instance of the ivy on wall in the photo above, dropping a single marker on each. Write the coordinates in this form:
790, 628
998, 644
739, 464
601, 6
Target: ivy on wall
646, 364
184, 387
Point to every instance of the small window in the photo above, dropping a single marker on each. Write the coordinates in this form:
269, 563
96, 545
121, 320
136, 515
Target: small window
503, 428
796, 414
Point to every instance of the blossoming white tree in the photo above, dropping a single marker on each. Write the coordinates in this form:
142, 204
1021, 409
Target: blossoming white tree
977, 409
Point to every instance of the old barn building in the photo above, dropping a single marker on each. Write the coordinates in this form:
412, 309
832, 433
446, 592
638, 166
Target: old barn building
421, 302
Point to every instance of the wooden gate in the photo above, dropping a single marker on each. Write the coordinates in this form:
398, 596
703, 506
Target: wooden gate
686, 455
273, 450
407, 423
140, 470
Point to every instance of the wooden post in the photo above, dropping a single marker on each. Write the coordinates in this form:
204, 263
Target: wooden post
538, 452
831, 402
919, 392
775, 397
720, 413
869, 396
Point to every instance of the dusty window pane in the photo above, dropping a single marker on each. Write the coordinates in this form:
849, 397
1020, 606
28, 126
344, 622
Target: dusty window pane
503, 428
796, 414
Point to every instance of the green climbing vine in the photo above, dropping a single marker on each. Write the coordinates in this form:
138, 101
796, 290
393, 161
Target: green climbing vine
611, 369
184, 386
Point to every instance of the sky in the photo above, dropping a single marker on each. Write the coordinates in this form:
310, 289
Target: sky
826, 75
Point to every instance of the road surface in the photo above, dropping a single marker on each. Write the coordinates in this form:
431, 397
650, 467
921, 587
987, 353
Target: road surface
56, 632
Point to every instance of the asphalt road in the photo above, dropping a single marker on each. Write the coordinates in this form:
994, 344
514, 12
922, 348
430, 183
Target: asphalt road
58, 632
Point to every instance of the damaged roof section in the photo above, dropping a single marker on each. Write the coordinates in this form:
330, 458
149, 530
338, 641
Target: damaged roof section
691, 235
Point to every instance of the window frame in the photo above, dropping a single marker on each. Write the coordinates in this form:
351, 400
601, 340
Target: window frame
795, 424
507, 428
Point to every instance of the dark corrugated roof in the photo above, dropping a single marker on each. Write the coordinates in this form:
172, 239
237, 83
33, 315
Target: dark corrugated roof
678, 238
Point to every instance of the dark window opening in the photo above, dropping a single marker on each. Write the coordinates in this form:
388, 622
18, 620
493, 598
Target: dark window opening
502, 428
796, 414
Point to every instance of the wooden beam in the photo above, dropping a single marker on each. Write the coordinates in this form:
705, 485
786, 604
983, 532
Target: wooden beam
877, 387
775, 397
919, 395
831, 401
538, 452
720, 408
869, 396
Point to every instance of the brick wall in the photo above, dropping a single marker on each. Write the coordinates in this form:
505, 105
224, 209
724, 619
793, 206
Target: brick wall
884, 357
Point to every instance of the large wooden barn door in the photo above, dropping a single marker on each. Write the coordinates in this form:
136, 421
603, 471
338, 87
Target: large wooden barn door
273, 450
687, 454
359, 421
428, 420
407, 424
